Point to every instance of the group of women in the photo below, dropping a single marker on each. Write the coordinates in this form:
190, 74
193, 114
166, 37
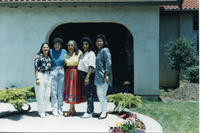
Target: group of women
73, 75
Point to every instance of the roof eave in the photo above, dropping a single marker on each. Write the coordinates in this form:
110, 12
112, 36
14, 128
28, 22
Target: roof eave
57, 3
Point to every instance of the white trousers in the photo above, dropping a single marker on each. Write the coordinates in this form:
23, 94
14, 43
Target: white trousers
42, 92
101, 93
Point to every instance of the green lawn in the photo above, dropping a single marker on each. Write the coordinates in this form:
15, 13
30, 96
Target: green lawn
174, 116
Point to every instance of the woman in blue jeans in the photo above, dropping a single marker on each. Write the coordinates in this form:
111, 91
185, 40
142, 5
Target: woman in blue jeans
103, 72
57, 76
86, 67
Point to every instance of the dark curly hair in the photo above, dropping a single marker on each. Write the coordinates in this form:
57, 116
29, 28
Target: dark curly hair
87, 39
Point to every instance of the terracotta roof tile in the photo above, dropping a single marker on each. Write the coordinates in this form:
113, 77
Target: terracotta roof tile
186, 5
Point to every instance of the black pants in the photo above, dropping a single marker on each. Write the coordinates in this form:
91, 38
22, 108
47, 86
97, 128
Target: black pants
89, 91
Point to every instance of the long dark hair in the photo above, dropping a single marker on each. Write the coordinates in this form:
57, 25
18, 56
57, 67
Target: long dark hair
87, 39
40, 52
75, 46
103, 37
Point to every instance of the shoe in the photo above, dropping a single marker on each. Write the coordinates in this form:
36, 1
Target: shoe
42, 115
86, 115
69, 113
103, 116
46, 114
60, 112
55, 113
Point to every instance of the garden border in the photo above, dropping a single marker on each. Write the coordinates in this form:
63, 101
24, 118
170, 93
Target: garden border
151, 125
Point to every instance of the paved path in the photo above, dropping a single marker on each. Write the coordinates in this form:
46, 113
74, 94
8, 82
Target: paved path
31, 122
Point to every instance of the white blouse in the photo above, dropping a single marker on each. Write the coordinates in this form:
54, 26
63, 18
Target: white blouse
87, 59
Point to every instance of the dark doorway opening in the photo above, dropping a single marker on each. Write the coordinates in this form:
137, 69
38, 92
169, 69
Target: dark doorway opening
120, 42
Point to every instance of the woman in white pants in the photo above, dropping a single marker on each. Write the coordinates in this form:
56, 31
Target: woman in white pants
42, 89
103, 72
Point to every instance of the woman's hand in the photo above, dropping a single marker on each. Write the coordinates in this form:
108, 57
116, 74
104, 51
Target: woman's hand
106, 79
86, 81
37, 82
36, 57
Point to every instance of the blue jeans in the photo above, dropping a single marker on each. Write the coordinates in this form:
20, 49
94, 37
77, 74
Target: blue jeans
57, 87
89, 91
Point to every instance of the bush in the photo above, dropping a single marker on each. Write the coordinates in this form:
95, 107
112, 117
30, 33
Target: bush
17, 96
192, 74
124, 100
181, 55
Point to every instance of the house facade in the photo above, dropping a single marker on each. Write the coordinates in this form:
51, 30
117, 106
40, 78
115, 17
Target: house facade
131, 26
177, 21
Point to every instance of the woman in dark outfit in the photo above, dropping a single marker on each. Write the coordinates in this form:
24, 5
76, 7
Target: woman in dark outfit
86, 66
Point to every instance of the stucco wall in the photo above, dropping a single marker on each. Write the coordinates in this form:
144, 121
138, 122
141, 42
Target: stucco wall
23, 30
169, 32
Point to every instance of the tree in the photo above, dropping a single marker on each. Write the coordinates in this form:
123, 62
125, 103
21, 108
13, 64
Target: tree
181, 55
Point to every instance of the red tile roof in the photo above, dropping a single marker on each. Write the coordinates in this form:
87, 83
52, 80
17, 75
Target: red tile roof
186, 5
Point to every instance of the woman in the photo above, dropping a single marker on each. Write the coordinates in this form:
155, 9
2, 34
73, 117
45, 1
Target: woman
86, 67
57, 76
103, 72
74, 92
42, 90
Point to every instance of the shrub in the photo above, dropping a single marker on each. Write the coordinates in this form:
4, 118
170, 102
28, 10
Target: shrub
181, 55
192, 74
17, 96
124, 100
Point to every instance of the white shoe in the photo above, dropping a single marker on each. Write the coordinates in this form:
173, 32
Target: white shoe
46, 114
86, 115
60, 112
42, 115
55, 113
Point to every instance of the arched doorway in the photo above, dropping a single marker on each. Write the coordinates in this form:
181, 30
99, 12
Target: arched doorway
120, 44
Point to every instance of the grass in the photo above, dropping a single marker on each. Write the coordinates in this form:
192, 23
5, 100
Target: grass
174, 116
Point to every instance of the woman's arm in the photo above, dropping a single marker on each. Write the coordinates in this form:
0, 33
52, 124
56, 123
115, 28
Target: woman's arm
87, 78
92, 65
36, 77
107, 57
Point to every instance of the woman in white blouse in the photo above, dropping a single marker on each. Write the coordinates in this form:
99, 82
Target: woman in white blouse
86, 66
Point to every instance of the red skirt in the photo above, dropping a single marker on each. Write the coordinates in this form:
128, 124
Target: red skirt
74, 90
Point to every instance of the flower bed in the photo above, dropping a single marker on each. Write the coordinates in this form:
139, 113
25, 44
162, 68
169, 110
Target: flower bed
130, 124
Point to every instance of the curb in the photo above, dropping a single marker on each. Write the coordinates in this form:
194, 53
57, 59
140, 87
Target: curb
152, 126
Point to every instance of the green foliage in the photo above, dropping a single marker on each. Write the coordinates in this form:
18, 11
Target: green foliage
128, 127
181, 54
192, 74
16, 96
124, 100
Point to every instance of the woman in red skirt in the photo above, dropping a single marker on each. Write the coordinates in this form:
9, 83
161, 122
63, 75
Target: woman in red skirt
74, 91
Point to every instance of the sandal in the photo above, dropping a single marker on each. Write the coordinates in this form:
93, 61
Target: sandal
67, 114
73, 113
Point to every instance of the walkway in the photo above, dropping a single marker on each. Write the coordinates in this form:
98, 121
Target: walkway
31, 122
